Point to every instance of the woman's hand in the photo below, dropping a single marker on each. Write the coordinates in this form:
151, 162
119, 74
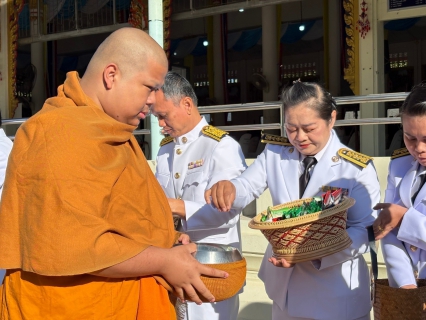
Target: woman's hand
389, 218
222, 195
178, 207
280, 263
409, 286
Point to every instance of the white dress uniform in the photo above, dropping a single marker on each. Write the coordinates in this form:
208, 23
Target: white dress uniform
337, 286
404, 249
186, 167
5, 148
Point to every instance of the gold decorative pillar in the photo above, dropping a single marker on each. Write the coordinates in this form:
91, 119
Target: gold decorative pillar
167, 17
351, 70
138, 14
14, 7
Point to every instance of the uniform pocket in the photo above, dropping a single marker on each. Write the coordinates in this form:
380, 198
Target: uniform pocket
193, 177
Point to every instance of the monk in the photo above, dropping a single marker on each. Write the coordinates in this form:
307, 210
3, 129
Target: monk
84, 225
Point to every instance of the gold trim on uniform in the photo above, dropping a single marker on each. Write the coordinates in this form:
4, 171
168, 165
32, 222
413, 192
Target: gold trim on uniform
165, 141
274, 139
359, 159
400, 153
214, 132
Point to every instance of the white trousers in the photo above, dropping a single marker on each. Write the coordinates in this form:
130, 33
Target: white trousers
278, 314
224, 310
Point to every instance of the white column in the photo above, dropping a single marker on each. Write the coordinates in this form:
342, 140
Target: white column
270, 60
155, 18
371, 70
4, 71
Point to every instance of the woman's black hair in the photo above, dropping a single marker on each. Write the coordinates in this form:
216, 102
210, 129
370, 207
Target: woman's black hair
415, 103
317, 97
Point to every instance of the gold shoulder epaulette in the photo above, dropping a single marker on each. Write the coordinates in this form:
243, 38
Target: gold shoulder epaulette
400, 153
214, 132
355, 157
165, 141
273, 139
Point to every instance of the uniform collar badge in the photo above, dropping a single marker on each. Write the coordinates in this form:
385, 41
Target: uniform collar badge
195, 164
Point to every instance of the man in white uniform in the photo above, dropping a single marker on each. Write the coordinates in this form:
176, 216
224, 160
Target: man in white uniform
191, 159
5, 147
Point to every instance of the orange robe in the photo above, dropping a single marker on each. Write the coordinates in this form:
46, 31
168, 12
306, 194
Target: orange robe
79, 196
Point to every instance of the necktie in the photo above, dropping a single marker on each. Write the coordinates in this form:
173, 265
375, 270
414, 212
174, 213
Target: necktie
422, 182
304, 178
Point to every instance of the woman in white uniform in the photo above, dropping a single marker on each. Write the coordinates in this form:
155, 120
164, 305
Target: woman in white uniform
335, 287
402, 221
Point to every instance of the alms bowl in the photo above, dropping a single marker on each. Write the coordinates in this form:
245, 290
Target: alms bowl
226, 258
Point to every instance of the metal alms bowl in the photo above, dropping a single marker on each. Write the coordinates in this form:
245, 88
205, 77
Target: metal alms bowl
212, 253
225, 258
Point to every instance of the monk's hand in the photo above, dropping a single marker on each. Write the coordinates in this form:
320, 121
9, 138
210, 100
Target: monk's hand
183, 273
280, 262
184, 239
390, 217
222, 195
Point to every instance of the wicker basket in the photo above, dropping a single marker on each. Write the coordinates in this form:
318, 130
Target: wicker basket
399, 304
308, 237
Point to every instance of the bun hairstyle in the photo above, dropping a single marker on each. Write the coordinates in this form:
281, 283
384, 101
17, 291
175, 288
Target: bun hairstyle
415, 103
311, 93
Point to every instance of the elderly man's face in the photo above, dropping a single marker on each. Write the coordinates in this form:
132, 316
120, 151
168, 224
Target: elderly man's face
173, 119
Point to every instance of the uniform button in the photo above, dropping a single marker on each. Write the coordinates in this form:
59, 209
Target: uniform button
178, 151
184, 139
179, 198
413, 248
291, 150
177, 175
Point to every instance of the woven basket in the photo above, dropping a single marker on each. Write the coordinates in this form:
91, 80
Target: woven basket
308, 237
223, 289
399, 304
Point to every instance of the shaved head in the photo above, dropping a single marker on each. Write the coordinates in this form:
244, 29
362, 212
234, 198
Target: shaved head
130, 49
124, 73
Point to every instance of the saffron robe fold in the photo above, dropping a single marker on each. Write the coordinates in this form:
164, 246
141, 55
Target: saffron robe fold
79, 196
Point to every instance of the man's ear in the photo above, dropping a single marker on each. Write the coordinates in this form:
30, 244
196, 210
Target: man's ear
187, 104
110, 75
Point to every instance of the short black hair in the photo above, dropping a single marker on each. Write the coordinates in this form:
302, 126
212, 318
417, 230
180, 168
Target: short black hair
176, 88
317, 97
415, 103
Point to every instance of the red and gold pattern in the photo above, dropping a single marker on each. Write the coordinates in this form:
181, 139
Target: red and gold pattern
138, 17
167, 16
14, 7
